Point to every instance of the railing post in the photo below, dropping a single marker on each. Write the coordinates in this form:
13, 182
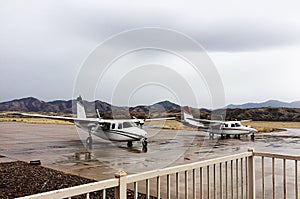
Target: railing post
121, 190
251, 174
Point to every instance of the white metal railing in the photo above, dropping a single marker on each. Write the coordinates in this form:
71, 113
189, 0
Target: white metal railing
227, 177
203, 179
283, 175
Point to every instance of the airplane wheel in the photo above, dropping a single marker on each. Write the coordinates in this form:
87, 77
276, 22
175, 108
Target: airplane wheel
144, 143
227, 136
145, 149
238, 136
252, 136
211, 136
129, 144
89, 141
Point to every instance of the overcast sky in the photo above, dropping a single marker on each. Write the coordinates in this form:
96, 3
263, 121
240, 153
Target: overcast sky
255, 46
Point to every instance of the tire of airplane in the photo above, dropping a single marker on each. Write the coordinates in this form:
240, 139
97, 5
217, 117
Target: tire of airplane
144, 143
145, 149
129, 144
89, 141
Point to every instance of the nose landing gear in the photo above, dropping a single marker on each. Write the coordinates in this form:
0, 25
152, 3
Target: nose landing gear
211, 135
89, 141
144, 144
252, 136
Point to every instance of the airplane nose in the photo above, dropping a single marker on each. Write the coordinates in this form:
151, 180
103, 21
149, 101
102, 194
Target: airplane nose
143, 133
254, 130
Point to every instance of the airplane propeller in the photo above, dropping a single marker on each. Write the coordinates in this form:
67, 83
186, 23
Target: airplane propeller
98, 113
139, 122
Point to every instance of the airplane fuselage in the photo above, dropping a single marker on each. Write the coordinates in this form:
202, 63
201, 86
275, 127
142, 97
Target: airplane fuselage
114, 130
231, 128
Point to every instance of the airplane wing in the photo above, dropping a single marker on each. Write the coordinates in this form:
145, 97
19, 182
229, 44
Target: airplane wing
162, 118
213, 121
101, 120
246, 120
142, 121
70, 119
135, 119
207, 121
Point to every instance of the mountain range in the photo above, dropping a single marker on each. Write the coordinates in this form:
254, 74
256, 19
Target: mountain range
269, 103
31, 104
271, 110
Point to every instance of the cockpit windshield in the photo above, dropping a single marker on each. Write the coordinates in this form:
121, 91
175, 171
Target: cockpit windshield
128, 124
238, 124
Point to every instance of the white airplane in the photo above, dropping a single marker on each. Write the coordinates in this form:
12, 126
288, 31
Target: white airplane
213, 127
120, 130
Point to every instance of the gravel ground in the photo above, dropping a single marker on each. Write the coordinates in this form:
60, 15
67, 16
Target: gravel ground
19, 179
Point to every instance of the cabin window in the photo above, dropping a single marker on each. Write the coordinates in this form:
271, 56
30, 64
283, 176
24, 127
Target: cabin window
113, 126
226, 125
120, 126
232, 125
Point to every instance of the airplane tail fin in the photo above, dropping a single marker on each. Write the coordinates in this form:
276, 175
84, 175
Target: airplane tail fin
80, 108
188, 118
187, 114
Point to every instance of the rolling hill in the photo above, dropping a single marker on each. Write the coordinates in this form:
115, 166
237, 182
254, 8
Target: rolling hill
31, 104
269, 103
271, 110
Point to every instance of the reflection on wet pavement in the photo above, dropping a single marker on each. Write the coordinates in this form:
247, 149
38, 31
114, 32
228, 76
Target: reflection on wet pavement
60, 147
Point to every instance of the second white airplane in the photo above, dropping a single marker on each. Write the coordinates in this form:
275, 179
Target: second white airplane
223, 128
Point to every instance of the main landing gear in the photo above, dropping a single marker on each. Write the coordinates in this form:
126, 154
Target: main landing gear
238, 136
129, 144
144, 142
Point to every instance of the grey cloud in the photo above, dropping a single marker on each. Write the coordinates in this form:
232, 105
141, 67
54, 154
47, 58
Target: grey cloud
88, 26
48, 40
247, 36
226, 36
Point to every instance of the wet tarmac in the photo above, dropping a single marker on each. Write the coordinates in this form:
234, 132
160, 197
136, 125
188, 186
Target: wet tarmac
61, 147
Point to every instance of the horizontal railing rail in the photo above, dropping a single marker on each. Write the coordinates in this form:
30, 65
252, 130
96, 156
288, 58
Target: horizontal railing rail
278, 156
78, 190
182, 168
232, 176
